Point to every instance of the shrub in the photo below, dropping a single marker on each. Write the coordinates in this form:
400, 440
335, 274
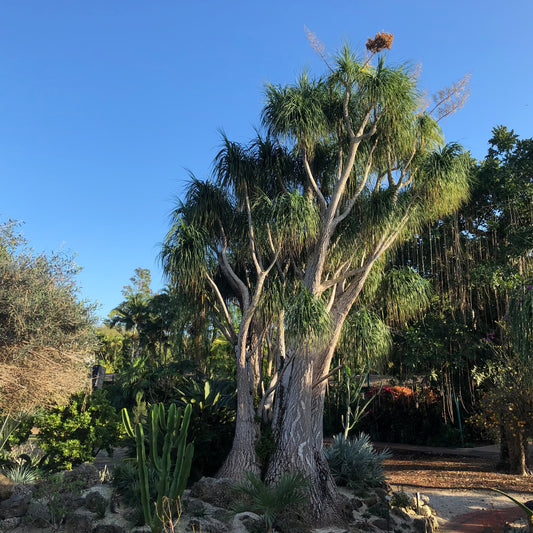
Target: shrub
76, 432
354, 462
46, 333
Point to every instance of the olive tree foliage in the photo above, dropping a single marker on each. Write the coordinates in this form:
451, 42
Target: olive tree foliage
290, 230
46, 332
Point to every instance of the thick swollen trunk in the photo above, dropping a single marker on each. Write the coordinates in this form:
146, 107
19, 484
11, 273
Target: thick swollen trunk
299, 441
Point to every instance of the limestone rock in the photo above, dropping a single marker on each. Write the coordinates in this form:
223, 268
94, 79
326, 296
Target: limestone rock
9, 523
245, 522
425, 525
425, 511
380, 523
217, 492
78, 523
401, 514
86, 474
39, 514
207, 525
96, 503
15, 506
109, 528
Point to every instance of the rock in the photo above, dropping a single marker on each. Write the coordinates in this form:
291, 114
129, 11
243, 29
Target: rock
86, 474
9, 523
356, 503
28, 490
330, 530
425, 525
380, 523
207, 525
193, 506
371, 500
96, 503
218, 492
15, 506
6, 487
424, 511
245, 522
401, 514
39, 514
381, 494
141, 529
78, 523
109, 528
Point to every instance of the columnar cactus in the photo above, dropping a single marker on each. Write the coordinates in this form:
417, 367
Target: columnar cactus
169, 455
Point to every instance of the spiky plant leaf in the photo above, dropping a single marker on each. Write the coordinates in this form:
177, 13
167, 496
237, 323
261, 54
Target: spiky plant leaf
355, 463
270, 500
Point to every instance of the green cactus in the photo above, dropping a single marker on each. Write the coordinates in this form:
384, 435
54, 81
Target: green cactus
170, 456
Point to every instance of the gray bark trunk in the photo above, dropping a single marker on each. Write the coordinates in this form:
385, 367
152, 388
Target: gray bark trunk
242, 456
299, 440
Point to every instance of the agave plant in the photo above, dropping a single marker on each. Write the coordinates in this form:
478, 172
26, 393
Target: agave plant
269, 501
355, 463
22, 474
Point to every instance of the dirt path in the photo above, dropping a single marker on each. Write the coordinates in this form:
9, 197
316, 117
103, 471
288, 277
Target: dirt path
459, 489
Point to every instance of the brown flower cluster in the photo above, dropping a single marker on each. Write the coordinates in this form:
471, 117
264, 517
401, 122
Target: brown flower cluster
380, 42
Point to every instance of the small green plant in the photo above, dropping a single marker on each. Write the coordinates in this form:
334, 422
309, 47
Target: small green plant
269, 501
400, 499
355, 463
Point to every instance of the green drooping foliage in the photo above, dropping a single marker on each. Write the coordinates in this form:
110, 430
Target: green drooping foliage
46, 332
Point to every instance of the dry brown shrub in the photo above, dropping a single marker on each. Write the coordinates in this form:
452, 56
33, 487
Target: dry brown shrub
47, 376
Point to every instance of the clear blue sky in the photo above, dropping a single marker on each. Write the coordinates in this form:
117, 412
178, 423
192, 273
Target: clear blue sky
104, 104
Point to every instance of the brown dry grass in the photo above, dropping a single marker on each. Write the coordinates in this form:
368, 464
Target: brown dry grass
44, 377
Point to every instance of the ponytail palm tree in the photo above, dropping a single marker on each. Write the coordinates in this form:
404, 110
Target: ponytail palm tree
293, 227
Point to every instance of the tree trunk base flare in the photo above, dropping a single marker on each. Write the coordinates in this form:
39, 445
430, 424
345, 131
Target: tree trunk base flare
239, 460
322, 506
